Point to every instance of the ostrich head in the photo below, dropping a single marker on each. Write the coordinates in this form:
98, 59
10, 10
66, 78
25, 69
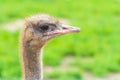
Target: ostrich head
42, 28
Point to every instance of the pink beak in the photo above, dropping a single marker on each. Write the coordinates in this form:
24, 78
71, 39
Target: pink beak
68, 29
65, 30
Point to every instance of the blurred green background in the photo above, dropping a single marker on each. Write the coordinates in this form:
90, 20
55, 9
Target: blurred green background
96, 49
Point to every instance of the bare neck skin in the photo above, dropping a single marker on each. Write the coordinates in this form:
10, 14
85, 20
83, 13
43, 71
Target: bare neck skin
32, 65
31, 53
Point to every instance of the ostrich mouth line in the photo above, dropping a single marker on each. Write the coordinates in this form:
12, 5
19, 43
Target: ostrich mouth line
65, 30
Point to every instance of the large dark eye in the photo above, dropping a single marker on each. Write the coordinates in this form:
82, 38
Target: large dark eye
44, 28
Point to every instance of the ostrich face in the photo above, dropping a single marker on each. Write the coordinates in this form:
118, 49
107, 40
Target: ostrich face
42, 28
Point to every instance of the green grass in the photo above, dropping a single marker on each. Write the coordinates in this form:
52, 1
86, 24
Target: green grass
98, 40
59, 75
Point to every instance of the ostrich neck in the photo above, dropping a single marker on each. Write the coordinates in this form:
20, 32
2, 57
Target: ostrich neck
32, 64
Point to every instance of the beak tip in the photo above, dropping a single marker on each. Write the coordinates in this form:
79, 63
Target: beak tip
78, 29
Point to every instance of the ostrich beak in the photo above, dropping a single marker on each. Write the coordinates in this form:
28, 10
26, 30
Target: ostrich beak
64, 30
68, 29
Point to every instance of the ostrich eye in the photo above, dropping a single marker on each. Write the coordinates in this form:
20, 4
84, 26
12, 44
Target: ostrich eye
44, 28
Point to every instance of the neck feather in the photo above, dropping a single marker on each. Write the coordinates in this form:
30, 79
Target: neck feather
32, 64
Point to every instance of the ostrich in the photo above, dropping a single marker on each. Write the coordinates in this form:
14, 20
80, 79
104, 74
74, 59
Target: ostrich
38, 30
